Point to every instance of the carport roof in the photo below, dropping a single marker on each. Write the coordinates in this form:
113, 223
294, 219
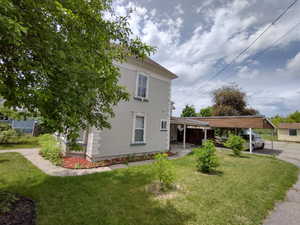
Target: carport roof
188, 121
236, 121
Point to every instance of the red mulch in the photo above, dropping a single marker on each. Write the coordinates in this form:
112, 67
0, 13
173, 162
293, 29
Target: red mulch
81, 163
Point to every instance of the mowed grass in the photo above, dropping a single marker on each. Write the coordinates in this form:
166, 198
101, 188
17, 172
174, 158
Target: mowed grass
27, 142
241, 192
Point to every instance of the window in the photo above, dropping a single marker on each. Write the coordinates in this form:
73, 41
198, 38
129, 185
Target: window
139, 128
292, 132
142, 86
163, 125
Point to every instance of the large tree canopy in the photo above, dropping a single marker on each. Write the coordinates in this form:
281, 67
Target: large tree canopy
231, 101
56, 60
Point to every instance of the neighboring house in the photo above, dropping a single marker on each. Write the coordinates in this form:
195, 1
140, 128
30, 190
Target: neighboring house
25, 126
141, 125
289, 132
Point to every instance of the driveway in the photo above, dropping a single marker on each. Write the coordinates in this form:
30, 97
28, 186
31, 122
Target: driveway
288, 211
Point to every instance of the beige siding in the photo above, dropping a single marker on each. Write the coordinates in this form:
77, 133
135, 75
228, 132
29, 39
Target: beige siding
117, 140
283, 135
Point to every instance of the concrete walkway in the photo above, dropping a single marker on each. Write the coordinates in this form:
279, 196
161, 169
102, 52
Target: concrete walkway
287, 212
47, 167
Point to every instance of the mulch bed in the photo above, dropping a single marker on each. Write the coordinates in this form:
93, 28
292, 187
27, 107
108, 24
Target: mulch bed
81, 163
22, 212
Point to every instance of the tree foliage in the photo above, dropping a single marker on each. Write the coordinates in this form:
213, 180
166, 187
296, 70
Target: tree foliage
291, 118
205, 112
56, 60
188, 111
231, 101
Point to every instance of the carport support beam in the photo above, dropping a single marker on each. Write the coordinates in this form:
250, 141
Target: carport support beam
250, 140
273, 139
184, 135
205, 134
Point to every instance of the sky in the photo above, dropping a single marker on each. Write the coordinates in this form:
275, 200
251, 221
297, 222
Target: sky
197, 38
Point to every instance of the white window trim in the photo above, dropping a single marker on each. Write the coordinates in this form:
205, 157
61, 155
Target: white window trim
133, 128
137, 85
164, 129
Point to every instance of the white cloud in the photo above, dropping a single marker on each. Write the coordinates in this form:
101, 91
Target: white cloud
293, 64
222, 29
179, 9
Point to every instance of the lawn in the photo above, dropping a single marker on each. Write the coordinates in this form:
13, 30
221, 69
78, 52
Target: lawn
27, 142
242, 192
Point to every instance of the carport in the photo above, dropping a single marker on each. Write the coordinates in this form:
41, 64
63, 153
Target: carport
182, 124
243, 122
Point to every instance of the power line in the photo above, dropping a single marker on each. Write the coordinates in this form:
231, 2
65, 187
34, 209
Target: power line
254, 41
274, 43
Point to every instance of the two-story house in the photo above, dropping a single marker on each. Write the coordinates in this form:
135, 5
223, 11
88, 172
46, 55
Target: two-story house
142, 124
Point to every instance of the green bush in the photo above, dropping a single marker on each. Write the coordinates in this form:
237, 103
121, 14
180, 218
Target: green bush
163, 171
50, 149
7, 136
206, 157
4, 126
236, 143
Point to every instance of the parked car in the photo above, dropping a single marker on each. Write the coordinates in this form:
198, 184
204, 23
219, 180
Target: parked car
257, 141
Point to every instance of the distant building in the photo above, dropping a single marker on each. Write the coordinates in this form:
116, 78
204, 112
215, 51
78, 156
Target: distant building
289, 132
25, 126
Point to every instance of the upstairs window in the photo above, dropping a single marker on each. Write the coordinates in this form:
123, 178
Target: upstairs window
163, 125
292, 132
142, 86
139, 128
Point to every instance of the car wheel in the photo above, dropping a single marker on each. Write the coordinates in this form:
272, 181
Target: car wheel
263, 146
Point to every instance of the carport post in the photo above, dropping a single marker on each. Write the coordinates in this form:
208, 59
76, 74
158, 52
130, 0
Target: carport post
273, 139
205, 134
250, 140
184, 135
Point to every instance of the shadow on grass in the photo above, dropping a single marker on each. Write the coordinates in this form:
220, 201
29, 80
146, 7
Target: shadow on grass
116, 197
4, 160
239, 157
212, 173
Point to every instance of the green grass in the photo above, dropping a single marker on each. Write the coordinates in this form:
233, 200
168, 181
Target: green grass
241, 192
27, 142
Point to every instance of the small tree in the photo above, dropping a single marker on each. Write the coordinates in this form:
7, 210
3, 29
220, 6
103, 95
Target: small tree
205, 112
189, 111
206, 157
236, 143
163, 171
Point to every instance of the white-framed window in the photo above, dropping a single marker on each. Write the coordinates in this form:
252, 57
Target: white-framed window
142, 86
292, 132
163, 125
139, 128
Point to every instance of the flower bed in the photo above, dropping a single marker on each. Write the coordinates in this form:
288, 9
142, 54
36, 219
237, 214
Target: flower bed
81, 163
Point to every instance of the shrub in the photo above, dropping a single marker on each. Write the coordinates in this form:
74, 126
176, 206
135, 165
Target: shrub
4, 126
163, 171
7, 136
236, 143
50, 149
206, 157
